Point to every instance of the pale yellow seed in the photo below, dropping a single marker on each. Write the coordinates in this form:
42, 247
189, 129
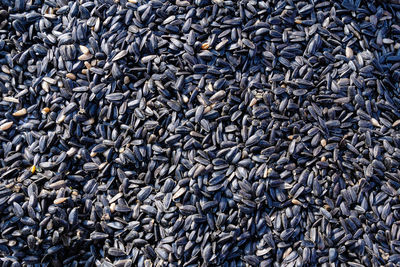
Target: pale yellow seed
102, 165
112, 207
126, 80
296, 202
375, 122
349, 52
33, 169
85, 57
93, 154
133, 1
84, 49
185, 99
50, 80
87, 65
60, 200
61, 119
45, 86
71, 76
267, 172
5, 69
45, 110
5, 126
20, 112
396, 123
84, 71
253, 102
287, 252
205, 46
50, 16
323, 142
11, 99
323, 159
298, 21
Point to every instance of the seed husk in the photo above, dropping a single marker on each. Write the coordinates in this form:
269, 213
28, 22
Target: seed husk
5, 126
199, 133
20, 112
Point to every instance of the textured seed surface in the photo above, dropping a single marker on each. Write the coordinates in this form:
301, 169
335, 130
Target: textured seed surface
199, 133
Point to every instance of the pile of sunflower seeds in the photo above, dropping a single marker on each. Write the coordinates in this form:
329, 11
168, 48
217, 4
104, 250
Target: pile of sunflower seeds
199, 133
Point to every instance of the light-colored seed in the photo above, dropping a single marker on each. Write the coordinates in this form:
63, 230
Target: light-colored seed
71, 76
323, 142
112, 207
45, 110
267, 172
296, 202
87, 65
126, 80
50, 16
259, 96
185, 99
387, 41
205, 46
11, 99
5, 69
71, 151
84, 49
349, 52
323, 159
298, 21
253, 102
49, 80
396, 123
20, 112
59, 200
45, 86
5, 126
93, 154
133, 1
84, 57
287, 252
102, 165
61, 119
33, 169
375, 122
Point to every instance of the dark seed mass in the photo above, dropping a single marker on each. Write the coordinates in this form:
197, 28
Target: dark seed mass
199, 133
